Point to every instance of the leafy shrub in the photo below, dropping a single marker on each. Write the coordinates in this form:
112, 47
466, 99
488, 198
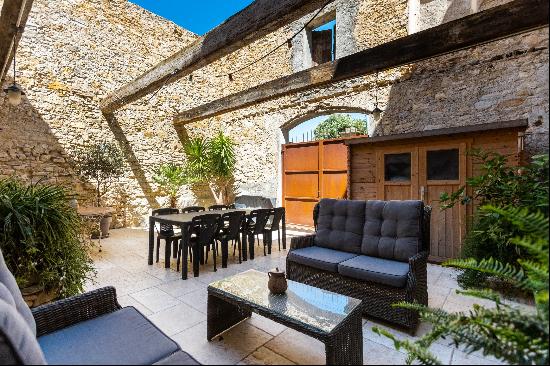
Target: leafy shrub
40, 237
499, 185
502, 184
510, 334
101, 163
335, 125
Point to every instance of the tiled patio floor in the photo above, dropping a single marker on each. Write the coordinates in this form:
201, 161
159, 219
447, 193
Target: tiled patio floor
179, 309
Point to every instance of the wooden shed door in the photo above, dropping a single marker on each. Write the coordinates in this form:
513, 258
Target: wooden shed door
443, 169
424, 173
397, 174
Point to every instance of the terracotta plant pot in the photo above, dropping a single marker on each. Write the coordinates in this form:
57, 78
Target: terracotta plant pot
35, 296
105, 225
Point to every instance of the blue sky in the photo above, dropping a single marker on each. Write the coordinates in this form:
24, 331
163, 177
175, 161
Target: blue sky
197, 16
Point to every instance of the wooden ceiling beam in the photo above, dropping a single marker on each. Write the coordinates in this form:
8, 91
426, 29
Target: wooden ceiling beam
13, 18
254, 22
512, 18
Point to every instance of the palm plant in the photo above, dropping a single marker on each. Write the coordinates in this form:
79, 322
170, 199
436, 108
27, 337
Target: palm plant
222, 166
212, 162
510, 334
170, 178
198, 163
40, 237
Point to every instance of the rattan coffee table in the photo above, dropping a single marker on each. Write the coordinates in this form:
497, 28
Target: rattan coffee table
332, 318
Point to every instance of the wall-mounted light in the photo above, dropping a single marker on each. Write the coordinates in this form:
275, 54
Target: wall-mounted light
377, 112
15, 94
14, 91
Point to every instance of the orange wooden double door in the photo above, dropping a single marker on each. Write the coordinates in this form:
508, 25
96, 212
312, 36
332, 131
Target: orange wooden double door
311, 171
424, 173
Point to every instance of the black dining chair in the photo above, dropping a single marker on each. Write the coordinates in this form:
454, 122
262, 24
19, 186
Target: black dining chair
202, 234
273, 224
254, 226
166, 232
230, 230
218, 208
192, 209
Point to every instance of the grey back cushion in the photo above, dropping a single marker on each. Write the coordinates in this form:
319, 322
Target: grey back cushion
7, 279
18, 339
253, 202
340, 225
17, 325
393, 229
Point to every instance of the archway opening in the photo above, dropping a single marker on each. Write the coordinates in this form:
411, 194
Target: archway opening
328, 125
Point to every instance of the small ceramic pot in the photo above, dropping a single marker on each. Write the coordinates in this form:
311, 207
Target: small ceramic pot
277, 282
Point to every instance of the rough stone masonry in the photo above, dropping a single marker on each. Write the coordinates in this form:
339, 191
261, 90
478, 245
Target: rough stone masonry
75, 52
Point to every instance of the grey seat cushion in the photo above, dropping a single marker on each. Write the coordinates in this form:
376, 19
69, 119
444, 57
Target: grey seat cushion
320, 258
393, 230
122, 337
178, 358
378, 270
340, 225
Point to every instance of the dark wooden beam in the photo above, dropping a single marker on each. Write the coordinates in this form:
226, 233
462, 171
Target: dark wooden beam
254, 22
519, 124
13, 18
513, 18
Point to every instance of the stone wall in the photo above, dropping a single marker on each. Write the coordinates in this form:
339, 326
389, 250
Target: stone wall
71, 55
75, 52
504, 80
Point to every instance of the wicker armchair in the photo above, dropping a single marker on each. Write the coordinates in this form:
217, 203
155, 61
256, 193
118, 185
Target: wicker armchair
377, 297
91, 328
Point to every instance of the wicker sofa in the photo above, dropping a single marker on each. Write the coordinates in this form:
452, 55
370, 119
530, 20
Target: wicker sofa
375, 251
89, 329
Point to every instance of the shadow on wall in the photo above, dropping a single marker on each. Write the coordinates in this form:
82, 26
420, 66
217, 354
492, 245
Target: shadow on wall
132, 160
29, 150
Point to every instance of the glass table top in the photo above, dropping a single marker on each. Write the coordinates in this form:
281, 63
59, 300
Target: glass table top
311, 306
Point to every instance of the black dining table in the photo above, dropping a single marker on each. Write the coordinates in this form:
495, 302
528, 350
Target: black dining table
183, 221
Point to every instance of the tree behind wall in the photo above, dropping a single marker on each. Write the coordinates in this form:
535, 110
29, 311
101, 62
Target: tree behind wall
335, 125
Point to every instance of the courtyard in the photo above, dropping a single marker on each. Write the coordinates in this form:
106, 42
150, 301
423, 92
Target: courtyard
274, 182
179, 309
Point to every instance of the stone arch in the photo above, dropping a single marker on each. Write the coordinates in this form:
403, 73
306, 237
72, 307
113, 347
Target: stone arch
317, 111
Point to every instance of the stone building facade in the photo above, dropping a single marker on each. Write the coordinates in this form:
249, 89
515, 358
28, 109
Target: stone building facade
75, 52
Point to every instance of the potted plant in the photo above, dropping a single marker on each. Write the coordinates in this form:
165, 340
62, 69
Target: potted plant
170, 178
101, 163
212, 162
40, 238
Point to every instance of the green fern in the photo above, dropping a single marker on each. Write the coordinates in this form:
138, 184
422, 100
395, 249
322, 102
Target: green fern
512, 335
492, 267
